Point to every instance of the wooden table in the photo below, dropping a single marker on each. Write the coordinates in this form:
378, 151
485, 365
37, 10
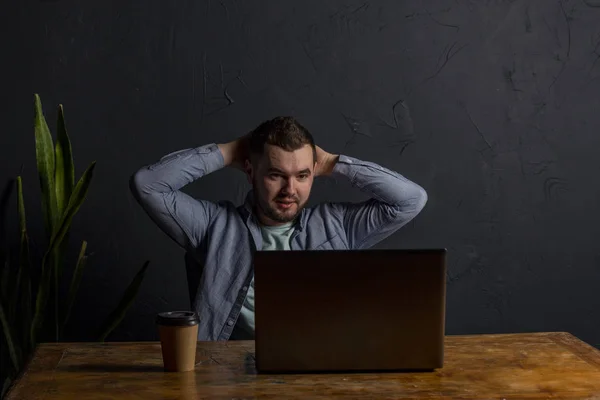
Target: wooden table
509, 366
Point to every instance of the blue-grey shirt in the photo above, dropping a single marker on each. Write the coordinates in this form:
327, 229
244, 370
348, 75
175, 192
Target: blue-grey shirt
273, 238
219, 238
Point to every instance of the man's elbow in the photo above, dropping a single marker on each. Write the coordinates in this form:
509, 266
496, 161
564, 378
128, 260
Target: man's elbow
421, 200
138, 184
410, 206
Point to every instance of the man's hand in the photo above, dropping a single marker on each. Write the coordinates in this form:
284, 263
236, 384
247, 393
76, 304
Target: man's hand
235, 153
325, 162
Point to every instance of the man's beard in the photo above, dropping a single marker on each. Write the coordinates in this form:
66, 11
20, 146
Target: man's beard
273, 213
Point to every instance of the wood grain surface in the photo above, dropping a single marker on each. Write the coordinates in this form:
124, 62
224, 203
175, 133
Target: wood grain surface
508, 366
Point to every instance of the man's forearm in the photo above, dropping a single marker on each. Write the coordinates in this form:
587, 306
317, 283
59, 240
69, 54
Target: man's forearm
393, 201
227, 152
235, 152
380, 183
329, 164
175, 170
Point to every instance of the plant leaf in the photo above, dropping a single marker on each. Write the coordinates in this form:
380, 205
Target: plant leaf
55, 290
64, 175
5, 387
64, 182
44, 151
9, 336
119, 312
77, 274
25, 289
75, 202
21, 284
21, 206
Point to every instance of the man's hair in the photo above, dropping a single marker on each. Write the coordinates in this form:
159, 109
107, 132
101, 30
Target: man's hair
283, 132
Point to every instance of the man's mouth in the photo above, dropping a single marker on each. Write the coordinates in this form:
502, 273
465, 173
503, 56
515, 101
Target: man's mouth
285, 204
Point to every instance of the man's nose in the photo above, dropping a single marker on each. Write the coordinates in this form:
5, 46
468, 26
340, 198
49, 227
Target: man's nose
288, 186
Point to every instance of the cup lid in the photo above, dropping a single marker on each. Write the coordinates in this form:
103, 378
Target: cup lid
177, 318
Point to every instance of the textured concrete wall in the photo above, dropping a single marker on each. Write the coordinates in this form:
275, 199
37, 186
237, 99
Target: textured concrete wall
492, 106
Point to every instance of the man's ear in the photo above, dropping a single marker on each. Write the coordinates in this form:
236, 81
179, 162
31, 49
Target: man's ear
248, 168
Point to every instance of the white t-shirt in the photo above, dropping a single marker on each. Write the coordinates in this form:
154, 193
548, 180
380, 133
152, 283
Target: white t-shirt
274, 238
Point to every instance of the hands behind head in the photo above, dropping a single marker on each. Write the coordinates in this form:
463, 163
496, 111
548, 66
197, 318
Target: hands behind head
325, 162
235, 154
241, 152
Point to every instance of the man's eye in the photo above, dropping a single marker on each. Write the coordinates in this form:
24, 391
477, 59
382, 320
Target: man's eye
304, 176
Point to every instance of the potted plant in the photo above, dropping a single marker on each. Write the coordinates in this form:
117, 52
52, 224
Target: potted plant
25, 317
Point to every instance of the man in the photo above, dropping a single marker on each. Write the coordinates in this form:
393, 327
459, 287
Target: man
281, 161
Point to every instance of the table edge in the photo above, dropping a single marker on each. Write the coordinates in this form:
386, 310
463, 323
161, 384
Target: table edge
582, 349
562, 335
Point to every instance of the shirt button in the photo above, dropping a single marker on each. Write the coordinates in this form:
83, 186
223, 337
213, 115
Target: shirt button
230, 322
245, 288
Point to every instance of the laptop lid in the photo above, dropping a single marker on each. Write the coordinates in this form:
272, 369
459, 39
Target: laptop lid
349, 310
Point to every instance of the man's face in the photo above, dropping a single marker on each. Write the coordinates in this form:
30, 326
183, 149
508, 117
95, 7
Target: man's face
282, 181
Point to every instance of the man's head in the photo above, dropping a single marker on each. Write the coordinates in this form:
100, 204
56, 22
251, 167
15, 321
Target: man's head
281, 169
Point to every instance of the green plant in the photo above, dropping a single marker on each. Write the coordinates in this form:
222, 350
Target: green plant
23, 313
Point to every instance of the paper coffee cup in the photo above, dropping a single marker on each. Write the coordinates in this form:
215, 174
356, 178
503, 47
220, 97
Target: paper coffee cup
178, 331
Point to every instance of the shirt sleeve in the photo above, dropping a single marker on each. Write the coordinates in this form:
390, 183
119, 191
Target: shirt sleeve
393, 202
157, 189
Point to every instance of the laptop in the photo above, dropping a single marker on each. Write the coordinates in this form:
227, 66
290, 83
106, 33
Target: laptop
349, 310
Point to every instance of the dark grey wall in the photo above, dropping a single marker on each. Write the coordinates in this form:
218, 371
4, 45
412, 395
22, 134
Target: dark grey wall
491, 106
